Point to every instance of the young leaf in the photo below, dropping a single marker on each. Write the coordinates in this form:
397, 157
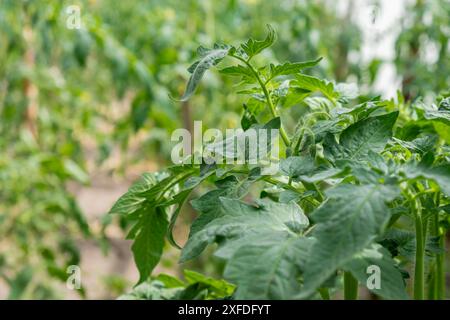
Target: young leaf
210, 57
253, 47
315, 84
438, 115
247, 75
219, 288
134, 198
289, 68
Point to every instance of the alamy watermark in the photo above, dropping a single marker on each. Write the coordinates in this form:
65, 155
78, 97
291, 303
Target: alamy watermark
73, 20
73, 281
374, 280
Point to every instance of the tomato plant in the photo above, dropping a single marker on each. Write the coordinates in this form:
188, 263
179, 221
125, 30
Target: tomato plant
360, 185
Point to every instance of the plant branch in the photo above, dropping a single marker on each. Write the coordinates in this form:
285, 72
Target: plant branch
283, 134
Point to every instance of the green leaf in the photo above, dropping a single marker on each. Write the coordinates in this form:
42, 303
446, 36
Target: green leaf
152, 290
248, 119
179, 200
419, 145
402, 243
314, 84
440, 174
289, 68
320, 175
149, 241
438, 115
269, 267
294, 167
355, 143
391, 283
148, 185
219, 288
252, 47
443, 131
231, 218
247, 75
210, 57
169, 281
294, 96
345, 225
321, 128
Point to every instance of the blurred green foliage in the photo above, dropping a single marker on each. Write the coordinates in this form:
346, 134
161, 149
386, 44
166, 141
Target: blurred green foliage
69, 98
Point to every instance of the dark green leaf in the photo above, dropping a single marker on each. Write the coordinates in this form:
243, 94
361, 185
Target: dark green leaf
149, 241
346, 224
359, 139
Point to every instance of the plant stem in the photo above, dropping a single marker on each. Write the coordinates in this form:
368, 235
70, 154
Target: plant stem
350, 287
439, 269
324, 293
419, 270
283, 134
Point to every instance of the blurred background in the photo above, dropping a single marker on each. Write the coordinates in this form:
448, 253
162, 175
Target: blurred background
84, 111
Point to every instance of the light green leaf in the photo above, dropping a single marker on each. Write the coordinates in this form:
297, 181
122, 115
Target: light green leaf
239, 70
320, 175
252, 47
219, 287
289, 68
147, 186
209, 58
314, 84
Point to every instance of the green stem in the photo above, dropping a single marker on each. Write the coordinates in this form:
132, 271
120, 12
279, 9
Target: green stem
283, 134
419, 270
439, 276
350, 287
440, 270
324, 293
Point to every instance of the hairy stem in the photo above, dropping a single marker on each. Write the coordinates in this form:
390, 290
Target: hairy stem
439, 270
350, 287
419, 270
283, 134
